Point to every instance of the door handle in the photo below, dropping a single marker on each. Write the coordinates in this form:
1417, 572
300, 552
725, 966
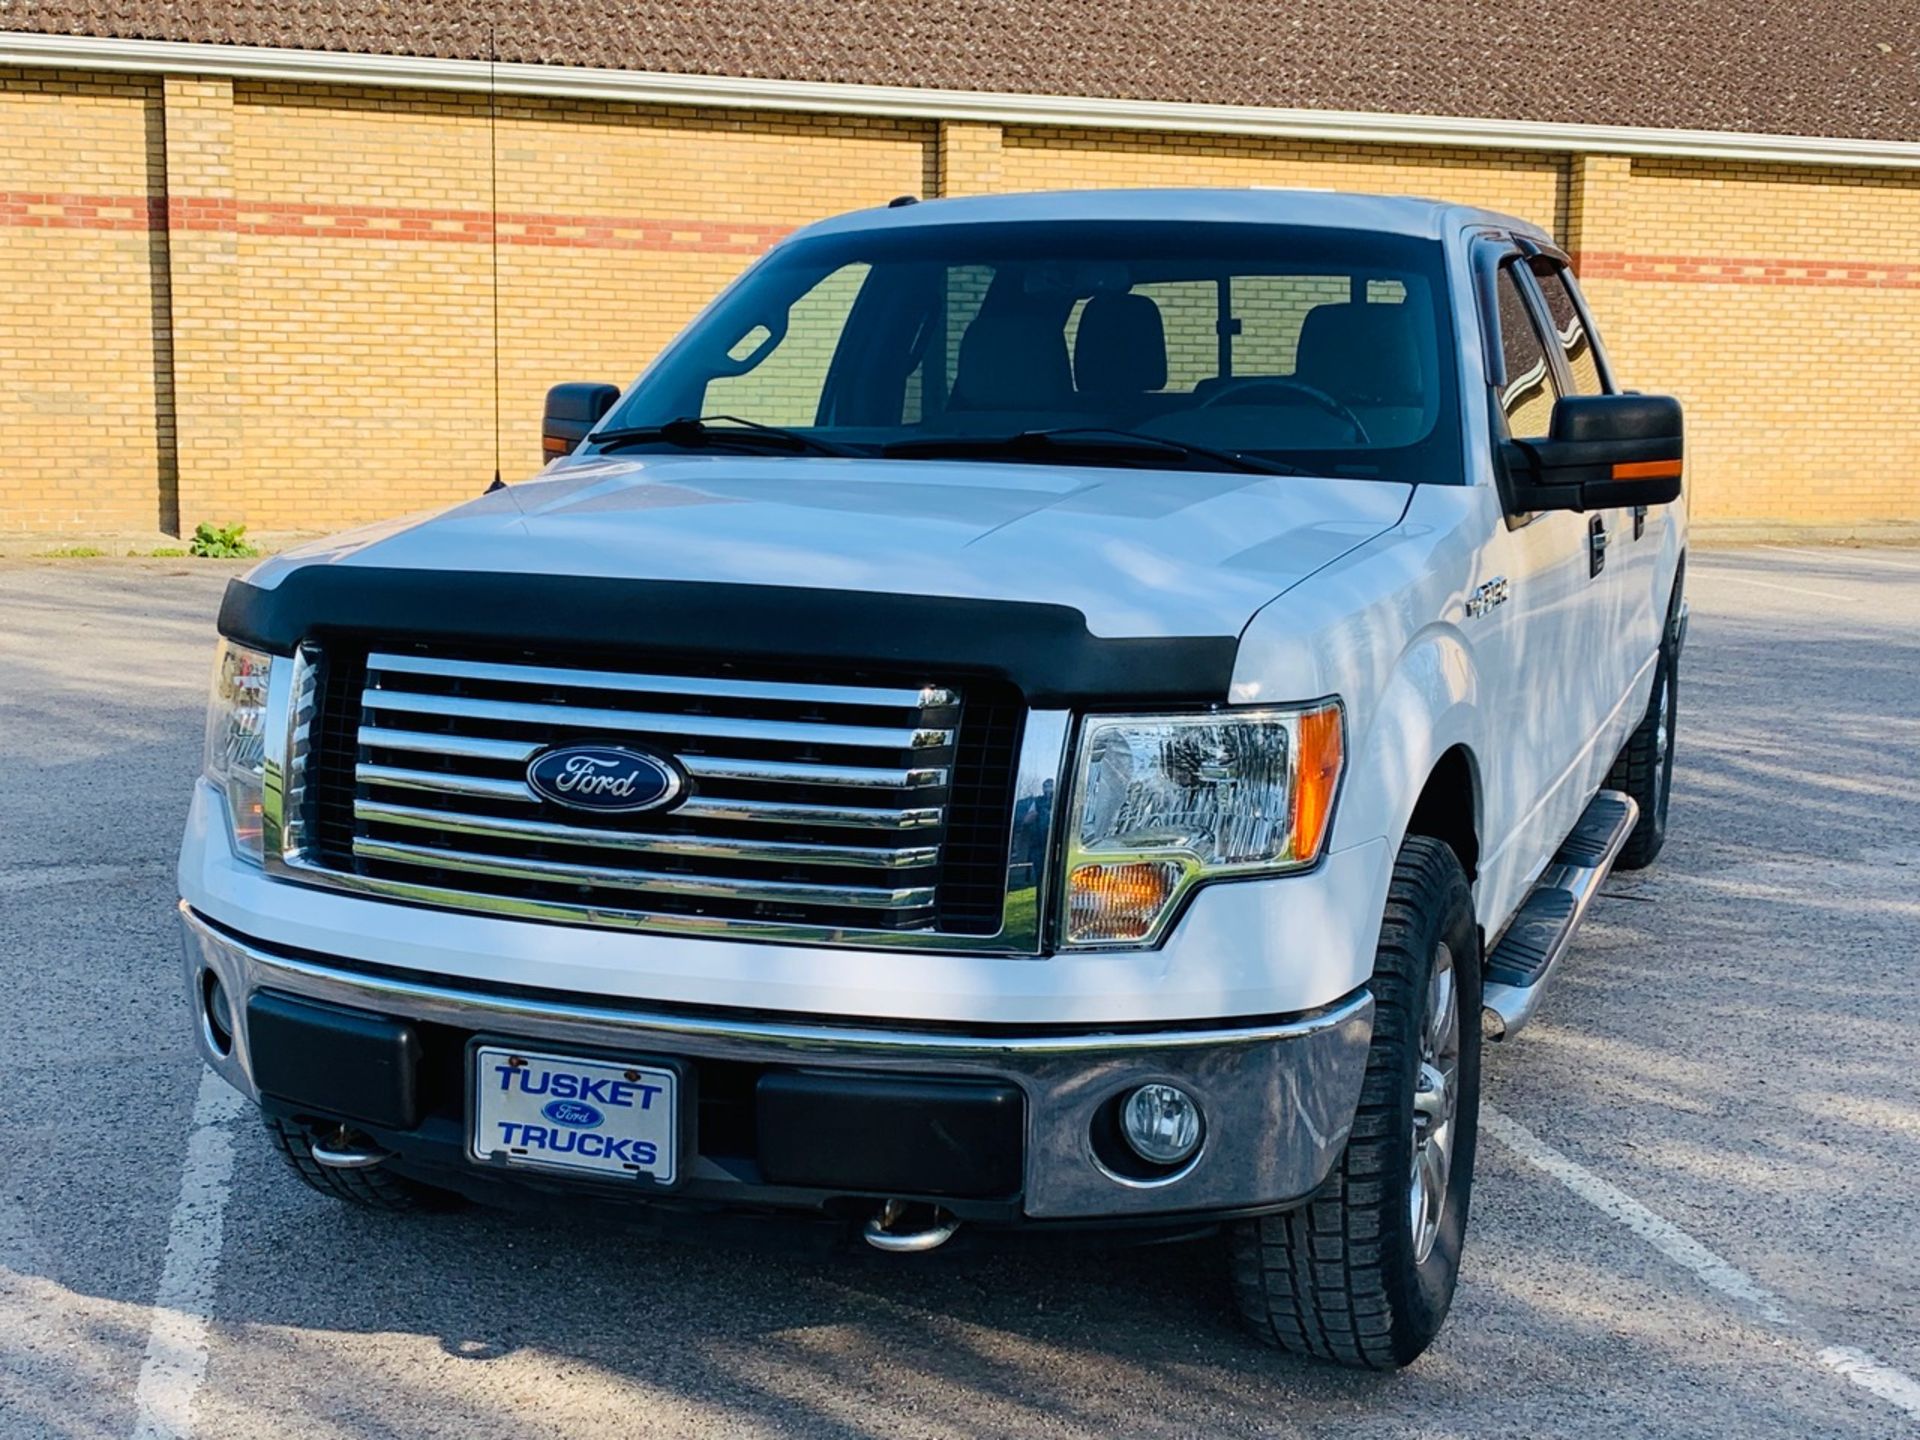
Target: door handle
1596, 545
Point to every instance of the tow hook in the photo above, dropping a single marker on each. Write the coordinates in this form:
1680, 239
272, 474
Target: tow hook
344, 1150
883, 1232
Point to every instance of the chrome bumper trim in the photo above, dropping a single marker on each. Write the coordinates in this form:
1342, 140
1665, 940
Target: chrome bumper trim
1279, 1096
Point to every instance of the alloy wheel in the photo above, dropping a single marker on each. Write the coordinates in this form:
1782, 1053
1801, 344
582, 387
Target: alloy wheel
1436, 1092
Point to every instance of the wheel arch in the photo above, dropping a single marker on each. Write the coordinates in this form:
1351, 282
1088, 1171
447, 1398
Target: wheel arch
1448, 807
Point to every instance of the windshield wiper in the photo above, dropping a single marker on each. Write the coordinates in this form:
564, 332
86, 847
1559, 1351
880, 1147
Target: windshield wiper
1088, 441
690, 432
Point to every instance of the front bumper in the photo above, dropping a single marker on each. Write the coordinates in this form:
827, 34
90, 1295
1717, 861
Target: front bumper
1279, 1095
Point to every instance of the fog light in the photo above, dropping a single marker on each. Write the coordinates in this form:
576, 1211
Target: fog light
219, 1013
1161, 1123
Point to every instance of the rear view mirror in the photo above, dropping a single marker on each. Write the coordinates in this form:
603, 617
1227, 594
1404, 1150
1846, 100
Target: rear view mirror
1601, 452
572, 410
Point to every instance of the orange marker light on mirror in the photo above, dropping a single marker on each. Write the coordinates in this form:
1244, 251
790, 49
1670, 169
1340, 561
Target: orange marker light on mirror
1647, 470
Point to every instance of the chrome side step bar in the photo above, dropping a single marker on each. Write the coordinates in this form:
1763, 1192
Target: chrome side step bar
1521, 964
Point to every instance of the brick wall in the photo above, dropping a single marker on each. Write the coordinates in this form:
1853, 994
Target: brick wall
85, 439
1783, 305
275, 304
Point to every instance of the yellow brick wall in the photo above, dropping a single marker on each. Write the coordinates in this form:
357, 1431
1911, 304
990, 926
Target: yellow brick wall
275, 304
1530, 186
367, 364
1798, 385
81, 434
601, 312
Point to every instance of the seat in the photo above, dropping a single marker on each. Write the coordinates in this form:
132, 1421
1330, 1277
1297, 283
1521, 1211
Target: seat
1120, 352
1365, 356
1012, 360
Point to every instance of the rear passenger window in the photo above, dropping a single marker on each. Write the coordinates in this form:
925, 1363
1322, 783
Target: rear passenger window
1528, 395
1572, 335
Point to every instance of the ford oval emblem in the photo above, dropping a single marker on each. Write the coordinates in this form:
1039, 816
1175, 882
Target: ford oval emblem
605, 778
577, 1113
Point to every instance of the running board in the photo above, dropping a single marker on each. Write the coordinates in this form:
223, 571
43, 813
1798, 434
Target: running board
1521, 964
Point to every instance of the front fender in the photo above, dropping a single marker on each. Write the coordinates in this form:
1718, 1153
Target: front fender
1379, 629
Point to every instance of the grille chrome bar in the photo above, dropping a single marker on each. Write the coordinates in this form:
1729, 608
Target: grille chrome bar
559, 719
852, 777
459, 747
773, 852
441, 782
794, 812
898, 698
768, 812
706, 767
773, 892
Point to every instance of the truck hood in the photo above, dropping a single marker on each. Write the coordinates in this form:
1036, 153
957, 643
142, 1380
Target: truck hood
1137, 552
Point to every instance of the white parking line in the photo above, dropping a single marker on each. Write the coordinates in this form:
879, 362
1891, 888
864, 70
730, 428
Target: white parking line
1856, 1366
1719, 574
176, 1360
1837, 553
1869, 1374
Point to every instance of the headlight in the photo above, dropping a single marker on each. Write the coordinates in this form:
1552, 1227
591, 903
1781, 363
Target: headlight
237, 741
1161, 803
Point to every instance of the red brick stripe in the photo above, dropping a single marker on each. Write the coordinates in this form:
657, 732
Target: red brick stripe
26, 209
1718, 270
50, 211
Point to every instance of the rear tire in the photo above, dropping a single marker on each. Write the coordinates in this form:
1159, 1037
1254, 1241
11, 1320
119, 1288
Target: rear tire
1363, 1273
374, 1188
1644, 768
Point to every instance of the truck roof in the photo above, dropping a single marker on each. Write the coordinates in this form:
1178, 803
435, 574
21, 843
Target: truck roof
1390, 214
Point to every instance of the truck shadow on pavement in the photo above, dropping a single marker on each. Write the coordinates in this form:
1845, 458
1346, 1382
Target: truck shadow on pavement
483, 1314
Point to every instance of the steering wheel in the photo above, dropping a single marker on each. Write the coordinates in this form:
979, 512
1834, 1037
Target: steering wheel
1237, 392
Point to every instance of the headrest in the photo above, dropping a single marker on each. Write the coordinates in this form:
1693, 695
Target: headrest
1361, 354
1121, 349
1012, 361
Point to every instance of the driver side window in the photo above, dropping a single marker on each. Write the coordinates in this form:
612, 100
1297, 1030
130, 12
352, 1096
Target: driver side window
1528, 395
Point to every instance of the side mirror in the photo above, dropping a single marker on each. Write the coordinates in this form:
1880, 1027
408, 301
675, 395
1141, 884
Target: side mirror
572, 410
1601, 452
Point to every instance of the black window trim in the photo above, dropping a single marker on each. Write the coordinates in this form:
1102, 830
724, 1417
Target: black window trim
1493, 253
1558, 264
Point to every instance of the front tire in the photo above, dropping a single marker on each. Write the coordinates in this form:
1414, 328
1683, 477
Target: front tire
1364, 1273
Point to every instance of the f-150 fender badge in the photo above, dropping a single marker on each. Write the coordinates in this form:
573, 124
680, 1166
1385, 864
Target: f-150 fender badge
1485, 597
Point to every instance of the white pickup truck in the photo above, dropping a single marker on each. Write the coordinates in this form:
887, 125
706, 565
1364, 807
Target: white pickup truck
1041, 711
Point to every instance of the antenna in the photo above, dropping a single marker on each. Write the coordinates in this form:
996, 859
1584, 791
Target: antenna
493, 223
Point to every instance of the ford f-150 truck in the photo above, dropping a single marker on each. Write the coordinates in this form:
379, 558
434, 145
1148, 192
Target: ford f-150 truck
1037, 712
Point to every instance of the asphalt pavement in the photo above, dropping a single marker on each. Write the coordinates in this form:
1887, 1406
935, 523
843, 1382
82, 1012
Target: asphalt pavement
1695, 1213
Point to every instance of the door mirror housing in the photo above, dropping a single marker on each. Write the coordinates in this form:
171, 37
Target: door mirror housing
572, 410
1602, 452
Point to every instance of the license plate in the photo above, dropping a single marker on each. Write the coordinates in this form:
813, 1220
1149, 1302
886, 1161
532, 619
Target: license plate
556, 1112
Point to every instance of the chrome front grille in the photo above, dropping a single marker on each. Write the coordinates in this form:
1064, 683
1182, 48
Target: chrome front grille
817, 805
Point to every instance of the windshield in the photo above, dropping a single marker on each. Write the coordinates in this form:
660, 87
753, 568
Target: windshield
1324, 350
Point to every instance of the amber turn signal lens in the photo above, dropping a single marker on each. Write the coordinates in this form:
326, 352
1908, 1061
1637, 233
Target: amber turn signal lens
1647, 470
1118, 902
1315, 777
